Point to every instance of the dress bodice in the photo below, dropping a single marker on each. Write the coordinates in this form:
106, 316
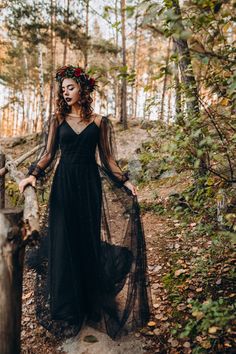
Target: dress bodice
78, 147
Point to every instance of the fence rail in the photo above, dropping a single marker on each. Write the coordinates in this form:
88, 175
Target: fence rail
18, 227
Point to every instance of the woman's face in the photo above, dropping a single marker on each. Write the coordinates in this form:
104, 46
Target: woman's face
71, 91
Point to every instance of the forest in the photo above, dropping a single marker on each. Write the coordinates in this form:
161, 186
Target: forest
166, 73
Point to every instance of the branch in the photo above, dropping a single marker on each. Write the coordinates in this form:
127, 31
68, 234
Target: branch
31, 208
213, 55
152, 28
21, 159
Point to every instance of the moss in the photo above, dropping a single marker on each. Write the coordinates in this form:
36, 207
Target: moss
156, 208
13, 194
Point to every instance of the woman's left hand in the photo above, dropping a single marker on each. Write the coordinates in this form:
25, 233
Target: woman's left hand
131, 187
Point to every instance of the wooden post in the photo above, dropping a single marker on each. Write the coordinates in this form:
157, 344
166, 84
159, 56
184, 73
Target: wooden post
2, 181
11, 274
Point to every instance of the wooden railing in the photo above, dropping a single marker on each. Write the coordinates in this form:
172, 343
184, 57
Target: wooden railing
18, 227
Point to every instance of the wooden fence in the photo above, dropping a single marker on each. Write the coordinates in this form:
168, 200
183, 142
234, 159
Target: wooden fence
18, 227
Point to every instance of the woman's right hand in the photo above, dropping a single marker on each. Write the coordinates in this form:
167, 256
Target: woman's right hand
28, 180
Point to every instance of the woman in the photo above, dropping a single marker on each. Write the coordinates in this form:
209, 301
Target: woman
96, 261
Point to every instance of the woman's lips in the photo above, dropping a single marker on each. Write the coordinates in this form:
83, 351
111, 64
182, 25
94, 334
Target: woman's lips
68, 99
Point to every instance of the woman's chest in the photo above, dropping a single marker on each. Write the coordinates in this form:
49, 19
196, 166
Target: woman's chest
88, 135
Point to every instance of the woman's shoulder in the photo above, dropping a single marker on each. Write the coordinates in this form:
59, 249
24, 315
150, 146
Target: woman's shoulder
98, 118
57, 118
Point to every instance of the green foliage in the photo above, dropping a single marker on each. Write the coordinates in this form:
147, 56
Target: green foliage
13, 193
171, 284
198, 199
156, 208
201, 138
207, 314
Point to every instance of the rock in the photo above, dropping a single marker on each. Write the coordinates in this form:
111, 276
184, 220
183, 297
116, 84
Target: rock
135, 169
186, 345
169, 173
152, 170
90, 339
133, 122
130, 344
157, 268
147, 124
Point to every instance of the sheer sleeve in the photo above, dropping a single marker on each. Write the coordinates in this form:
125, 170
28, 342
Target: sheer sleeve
107, 153
37, 168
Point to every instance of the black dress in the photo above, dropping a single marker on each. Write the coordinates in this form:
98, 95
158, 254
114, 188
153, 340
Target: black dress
94, 267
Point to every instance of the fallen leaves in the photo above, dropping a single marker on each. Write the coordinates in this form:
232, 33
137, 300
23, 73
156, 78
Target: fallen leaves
213, 329
198, 314
178, 272
27, 296
151, 324
194, 280
206, 344
34, 338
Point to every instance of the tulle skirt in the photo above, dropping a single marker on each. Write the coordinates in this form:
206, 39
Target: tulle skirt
91, 258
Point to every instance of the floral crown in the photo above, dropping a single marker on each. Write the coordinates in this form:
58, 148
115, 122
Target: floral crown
77, 74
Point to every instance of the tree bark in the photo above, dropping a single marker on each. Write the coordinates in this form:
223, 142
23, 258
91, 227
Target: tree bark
133, 93
52, 48
117, 82
165, 82
178, 109
66, 39
169, 108
124, 81
189, 81
11, 274
17, 162
41, 85
31, 209
87, 33
2, 181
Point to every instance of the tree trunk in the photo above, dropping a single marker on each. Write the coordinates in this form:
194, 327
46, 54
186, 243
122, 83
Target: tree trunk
66, 39
11, 274
87, 33
52, 67
2, 181
133, 93
25, 93
41, 85
169, 108
189, 81
178, 110
165, 82
124, 81
185, 65
117, 81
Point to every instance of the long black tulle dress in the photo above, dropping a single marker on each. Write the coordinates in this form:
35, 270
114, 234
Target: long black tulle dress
91, 259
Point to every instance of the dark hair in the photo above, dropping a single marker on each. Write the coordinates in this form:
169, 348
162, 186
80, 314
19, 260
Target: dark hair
87, 85
86, 100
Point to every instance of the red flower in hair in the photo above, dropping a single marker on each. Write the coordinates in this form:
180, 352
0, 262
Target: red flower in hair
91, 81
77, 72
